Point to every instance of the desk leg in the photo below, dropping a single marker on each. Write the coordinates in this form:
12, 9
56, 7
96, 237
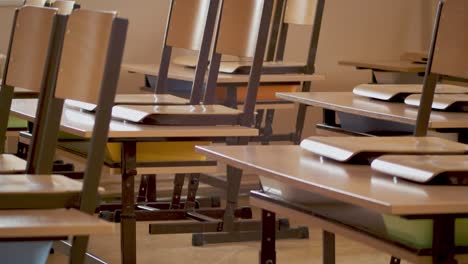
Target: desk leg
443, 242
328, 248
301, 115
268, 249
128, 218
268, 129
234, 180
177, 191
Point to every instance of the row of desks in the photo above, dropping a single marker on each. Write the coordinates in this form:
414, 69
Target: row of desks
303, 176
79, 123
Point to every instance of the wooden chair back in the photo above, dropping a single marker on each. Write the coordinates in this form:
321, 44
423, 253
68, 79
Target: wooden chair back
84, 55
28, 57
447, 56
300, 12
190, 26
29, 47
451, 46
242, 31
186, 23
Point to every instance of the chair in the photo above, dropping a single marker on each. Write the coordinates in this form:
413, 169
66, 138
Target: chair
307, 13
242, 31
23, 72
209, 114
190, 26
84, 64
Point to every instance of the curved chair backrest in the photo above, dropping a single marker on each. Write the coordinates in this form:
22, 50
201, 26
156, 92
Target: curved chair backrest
448, 55
242, 31
186, 23
84, 55
239, 27
300, 12
305, 13
29, 49
451, 46
89, 66
28, 57
190, 26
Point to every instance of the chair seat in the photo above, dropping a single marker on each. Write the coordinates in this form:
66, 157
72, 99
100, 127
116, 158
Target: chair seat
50, 223
177, 114
23, 191
134, 99
449, 169
363, 149
151, 99
445, 102
397, 92
11, 164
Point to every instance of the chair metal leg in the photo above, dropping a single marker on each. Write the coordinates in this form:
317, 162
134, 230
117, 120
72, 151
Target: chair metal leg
177, 191
268, 129
194, 181
301, 115
142, 189
151, 194
259, 119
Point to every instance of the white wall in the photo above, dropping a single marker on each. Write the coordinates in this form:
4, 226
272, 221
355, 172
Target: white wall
362, 29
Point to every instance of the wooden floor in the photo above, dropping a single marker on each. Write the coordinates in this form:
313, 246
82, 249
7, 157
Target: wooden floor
167, 249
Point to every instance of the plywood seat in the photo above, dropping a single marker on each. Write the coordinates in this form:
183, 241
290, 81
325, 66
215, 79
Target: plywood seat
11, 164
50, 223
398, 92
444, 102
450, 169
134, 99
415, 56
177, 114
37, 191
364, 149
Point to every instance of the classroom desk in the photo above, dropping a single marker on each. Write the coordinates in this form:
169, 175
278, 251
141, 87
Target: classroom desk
347, 102
390, 71
183, 76
80, 124
355, 185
